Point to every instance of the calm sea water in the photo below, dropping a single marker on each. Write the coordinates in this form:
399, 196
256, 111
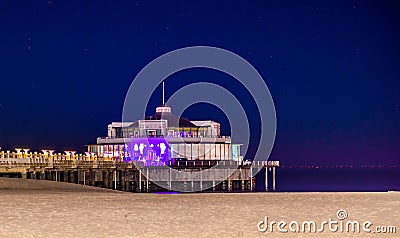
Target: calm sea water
333, 179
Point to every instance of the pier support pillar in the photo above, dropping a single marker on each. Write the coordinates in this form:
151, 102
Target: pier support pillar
109, 179
106, 179
201, 181
122, 180
126, 181
124, 177
92, 177
147, 179
251, 179
273, 179
140, 180
129, 181
115, 179
98, 177
266, 179
213, 184
241, 178
170, 180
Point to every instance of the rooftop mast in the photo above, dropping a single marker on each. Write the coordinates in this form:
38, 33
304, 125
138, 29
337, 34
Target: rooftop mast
163, 108
163, 93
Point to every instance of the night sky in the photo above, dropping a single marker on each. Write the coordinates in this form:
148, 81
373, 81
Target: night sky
332, 68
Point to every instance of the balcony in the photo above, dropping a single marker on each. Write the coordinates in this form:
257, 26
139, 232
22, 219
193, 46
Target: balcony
220, 139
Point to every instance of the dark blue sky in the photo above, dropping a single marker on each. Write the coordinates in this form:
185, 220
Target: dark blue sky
332, 68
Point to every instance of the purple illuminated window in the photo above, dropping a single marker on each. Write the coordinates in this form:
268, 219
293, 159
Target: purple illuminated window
150, 151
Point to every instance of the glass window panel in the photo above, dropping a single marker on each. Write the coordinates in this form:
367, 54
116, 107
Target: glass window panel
174, 150
181, 150
207, 151
213, 151
195, 151
226, 152
188, 151
217, 151
235, 152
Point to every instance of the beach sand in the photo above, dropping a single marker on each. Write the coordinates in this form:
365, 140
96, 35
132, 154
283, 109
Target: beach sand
31, 208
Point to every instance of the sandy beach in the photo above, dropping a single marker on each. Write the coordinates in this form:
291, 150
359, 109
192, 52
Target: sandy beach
31, 208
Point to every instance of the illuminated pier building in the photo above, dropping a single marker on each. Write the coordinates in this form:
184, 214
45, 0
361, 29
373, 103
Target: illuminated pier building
166, 138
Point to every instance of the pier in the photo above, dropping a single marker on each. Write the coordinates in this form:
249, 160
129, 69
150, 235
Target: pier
134, 176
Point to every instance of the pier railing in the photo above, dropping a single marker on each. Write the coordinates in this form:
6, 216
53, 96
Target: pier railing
50, 155
20, 158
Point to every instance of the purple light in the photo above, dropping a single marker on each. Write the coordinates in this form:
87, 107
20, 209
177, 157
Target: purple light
150, 151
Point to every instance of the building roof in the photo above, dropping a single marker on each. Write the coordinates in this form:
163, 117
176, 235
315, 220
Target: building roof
173, 120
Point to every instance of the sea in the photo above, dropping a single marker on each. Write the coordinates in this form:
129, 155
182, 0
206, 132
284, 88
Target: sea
336, 179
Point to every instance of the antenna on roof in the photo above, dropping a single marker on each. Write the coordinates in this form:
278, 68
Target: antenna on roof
163, 108
163, 93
